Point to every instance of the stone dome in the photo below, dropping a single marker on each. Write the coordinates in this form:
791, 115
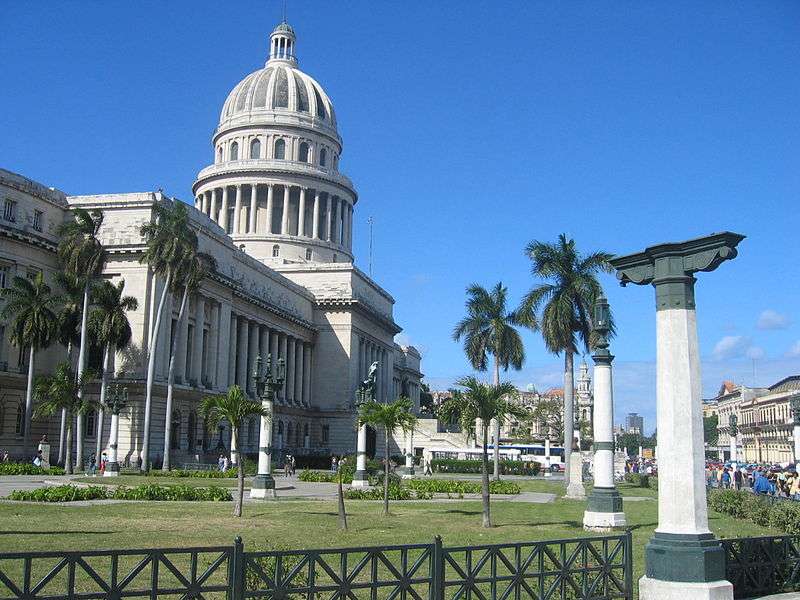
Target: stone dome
279, 91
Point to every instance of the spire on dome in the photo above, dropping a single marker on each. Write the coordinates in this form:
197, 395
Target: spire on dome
282, 44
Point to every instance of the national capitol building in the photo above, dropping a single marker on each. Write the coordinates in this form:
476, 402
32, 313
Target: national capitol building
276, 214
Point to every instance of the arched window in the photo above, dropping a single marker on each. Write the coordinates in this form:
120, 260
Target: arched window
280, 148
175, 434
219, 154
255, 148
19, 426
192, 430
323, 157
276, 251
309, 253
234, 155
305, 432
302, 154
91, 423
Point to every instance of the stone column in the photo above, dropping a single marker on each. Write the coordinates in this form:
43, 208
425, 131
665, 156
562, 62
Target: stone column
263, 343
360, 477
237, 209
223, 345
285, 213
283, 343
336, 233
307, 375
232, 347
409, 470
315, 218
301, 216
733, 432
270, 206
328, 220
213, 210
210, 366
198, 202
298, 373
290, 368
252, 352
683, 560
547, 472
205, 203
223, 213
263, 485
604, 510
241, 354
251, 228
197, 346
112, 466
181, 347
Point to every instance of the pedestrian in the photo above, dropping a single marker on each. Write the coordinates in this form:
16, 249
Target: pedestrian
6, 457
726, 478
761, 485
737, 479
333, 464
293, 465
221, 463
794, 490
37, 460
103, 461
287, 465
93, 466
225, 463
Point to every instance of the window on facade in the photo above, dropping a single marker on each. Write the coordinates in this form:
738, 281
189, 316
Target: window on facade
219, 154
280, 149
10, 210
309, 253
91, 423
175, 434
305, 430
37, 220
302, 154
276, 251
255, 149
234, 155
19, 426
326, 432
323, 157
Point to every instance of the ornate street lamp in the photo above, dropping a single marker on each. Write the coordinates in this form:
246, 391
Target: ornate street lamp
116, 403
267, 385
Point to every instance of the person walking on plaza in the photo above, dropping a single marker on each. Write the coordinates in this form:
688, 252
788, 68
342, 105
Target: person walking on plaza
737, 479
333, 464
726, 478
761, 485
221, 463
37, 460
225, 463
287, 465
293, 465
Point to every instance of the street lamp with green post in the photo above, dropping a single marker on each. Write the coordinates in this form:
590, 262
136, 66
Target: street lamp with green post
267, 384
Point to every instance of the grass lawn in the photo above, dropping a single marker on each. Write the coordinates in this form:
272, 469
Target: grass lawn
313, 524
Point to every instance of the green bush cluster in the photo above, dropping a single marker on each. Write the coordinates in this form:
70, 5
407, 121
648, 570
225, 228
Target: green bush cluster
327, 476
454, 486
28, 469
72, 493
215, 474
507, 467
60, 493
642, 480
782, 515
396, 492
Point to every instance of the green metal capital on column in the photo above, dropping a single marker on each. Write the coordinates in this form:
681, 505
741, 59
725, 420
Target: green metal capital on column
670, 267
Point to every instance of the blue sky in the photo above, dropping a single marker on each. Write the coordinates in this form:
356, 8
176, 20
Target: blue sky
469, 129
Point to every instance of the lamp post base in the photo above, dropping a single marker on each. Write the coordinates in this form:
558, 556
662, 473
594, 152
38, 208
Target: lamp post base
655, 589
112, 469
263, 487
360, 480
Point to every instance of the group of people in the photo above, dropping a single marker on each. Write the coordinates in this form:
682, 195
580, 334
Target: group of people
772, 481
289, 465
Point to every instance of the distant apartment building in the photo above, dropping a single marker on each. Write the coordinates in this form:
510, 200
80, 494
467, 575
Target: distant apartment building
634, 423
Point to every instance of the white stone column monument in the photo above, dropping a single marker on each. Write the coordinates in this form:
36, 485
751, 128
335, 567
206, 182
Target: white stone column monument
683, 559
266, 385
117, 401
366, 392
604, 510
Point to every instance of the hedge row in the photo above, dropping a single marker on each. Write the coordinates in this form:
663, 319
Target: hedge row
642, 480
454, 486
507, 467
215, 474
72, 493
396, 492
28, 469
784, 516
328, 476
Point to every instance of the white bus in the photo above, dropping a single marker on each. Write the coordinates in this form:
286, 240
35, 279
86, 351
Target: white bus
522, 452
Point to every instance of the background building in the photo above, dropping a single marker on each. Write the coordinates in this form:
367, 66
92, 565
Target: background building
274, 211
634, 423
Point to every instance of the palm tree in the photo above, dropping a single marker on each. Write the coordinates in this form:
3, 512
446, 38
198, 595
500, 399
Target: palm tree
30, 306
235, 407
82, 257
169, 240
562, 307
69, 332
479, 400
110, 326
189, 277
488, 328
391, 416
61, 392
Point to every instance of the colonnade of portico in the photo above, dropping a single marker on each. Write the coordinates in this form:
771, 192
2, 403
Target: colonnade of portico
368, 352
274, 208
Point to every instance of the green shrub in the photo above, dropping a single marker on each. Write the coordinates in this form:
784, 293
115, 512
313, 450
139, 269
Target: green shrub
455, 486
215, 474
782, 515
60, 493
28, 469
507, 467
327, 476
153, 491
396, 492
642, 480
254, 583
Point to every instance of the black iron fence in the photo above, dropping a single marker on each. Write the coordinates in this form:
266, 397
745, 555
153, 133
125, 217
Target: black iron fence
762, 565
596, 568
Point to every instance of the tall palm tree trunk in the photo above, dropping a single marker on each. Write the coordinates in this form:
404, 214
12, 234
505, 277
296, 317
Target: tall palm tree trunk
26, 438
237, 509
98, 451
68, 447
487, 520
167, 465
386, 473
569, 410
79, 374
62, 430
151, 370
496, 424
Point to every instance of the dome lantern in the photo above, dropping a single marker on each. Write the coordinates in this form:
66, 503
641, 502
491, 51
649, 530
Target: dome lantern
281, 44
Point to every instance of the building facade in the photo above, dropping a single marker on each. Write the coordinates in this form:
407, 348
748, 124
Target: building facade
766, 423
276, 214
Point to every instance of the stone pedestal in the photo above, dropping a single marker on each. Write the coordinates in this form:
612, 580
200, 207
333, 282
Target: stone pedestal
263, 487
575, 489
360, 477
681, 590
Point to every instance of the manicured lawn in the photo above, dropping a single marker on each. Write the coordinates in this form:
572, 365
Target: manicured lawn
313, 524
